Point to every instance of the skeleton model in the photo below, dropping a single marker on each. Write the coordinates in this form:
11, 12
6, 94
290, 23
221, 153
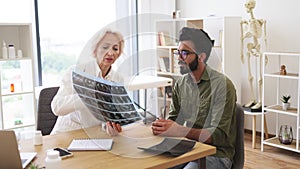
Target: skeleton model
253, 29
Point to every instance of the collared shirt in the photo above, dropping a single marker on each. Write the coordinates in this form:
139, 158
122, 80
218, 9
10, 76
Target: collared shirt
209, 104
67, 105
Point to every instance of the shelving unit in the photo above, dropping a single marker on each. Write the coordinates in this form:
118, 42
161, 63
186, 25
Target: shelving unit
224, 30
284, 84
17, 106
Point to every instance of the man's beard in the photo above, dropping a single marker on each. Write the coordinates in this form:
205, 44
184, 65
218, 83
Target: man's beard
187, 69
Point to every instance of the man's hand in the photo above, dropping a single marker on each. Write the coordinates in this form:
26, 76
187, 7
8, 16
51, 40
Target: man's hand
167, 128
112, 128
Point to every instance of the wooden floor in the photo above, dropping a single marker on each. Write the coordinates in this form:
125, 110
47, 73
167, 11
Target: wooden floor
271, 158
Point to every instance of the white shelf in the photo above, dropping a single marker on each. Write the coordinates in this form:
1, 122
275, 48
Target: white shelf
252, 113
281, 83
282, 53
224, 30
274, 141
168, 74
20, 126
16, 93
288, 76
18, 105
15, 59
278, 109
167, 47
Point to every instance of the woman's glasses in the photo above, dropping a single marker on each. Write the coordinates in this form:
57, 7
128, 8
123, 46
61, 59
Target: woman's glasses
183, 53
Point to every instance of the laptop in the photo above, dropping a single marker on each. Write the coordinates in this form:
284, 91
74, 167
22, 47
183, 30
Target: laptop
10, 156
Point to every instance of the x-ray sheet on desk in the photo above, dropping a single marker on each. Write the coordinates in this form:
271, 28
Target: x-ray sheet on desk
106, 100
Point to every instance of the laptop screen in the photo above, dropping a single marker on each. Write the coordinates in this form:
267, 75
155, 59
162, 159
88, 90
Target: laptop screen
10, 157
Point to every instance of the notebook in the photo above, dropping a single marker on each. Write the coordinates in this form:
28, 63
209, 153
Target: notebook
10, 157
171, 146
90, 144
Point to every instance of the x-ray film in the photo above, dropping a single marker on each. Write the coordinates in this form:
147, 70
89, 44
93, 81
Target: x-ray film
106, 100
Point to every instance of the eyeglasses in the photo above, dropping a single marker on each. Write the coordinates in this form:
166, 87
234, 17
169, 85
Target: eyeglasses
183, 53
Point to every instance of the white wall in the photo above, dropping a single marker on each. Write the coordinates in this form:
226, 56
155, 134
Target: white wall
16, 11
19, 11
282, 25
281, 17
282, 29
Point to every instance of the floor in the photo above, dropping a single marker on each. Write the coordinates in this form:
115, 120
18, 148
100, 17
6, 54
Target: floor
271, 158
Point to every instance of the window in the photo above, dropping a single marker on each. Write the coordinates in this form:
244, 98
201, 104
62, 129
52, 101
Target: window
64, 28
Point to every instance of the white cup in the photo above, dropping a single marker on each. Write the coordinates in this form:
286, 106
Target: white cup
38, 138
19, 53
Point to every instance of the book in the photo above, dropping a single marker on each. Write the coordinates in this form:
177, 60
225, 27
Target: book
162, 64
161, 39
171, 146
90, 144
167, 63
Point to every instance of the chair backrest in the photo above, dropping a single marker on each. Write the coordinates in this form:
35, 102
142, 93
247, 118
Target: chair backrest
238, 159
45, 117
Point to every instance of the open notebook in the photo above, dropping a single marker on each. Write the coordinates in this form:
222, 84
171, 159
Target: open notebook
10, 157
90, 144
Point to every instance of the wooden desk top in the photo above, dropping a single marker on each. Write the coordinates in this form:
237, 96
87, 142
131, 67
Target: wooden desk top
124, 153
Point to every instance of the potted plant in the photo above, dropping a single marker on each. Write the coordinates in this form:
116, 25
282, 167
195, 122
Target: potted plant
285, 102
33, 166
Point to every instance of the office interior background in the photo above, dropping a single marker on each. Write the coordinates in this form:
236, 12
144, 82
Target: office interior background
65, 26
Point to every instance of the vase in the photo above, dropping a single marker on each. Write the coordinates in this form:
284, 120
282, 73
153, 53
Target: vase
285, 134
285, 106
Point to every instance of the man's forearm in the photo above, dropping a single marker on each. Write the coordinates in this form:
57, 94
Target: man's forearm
200, 135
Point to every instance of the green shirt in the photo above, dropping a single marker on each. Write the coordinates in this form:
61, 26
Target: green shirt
209, 104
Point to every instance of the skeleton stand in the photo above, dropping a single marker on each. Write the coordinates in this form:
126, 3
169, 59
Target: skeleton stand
252, 29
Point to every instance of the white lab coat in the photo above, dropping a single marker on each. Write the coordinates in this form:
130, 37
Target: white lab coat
71, 112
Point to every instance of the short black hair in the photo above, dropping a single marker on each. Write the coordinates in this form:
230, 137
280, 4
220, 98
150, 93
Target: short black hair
199, 37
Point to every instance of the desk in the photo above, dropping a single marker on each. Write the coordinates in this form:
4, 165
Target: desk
145, 82
254, 114
124, 153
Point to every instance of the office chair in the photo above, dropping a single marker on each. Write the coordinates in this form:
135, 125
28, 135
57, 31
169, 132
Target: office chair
45, 117
238, 159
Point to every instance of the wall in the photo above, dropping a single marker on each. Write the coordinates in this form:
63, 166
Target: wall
16, 11
148, 13
282, 29
19, 11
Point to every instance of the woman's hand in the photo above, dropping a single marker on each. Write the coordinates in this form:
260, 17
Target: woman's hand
113, 128
167, 128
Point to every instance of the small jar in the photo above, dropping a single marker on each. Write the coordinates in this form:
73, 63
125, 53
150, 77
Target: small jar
19, 53
11, 51
4, 51
12, 87
53, 161
38, 138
